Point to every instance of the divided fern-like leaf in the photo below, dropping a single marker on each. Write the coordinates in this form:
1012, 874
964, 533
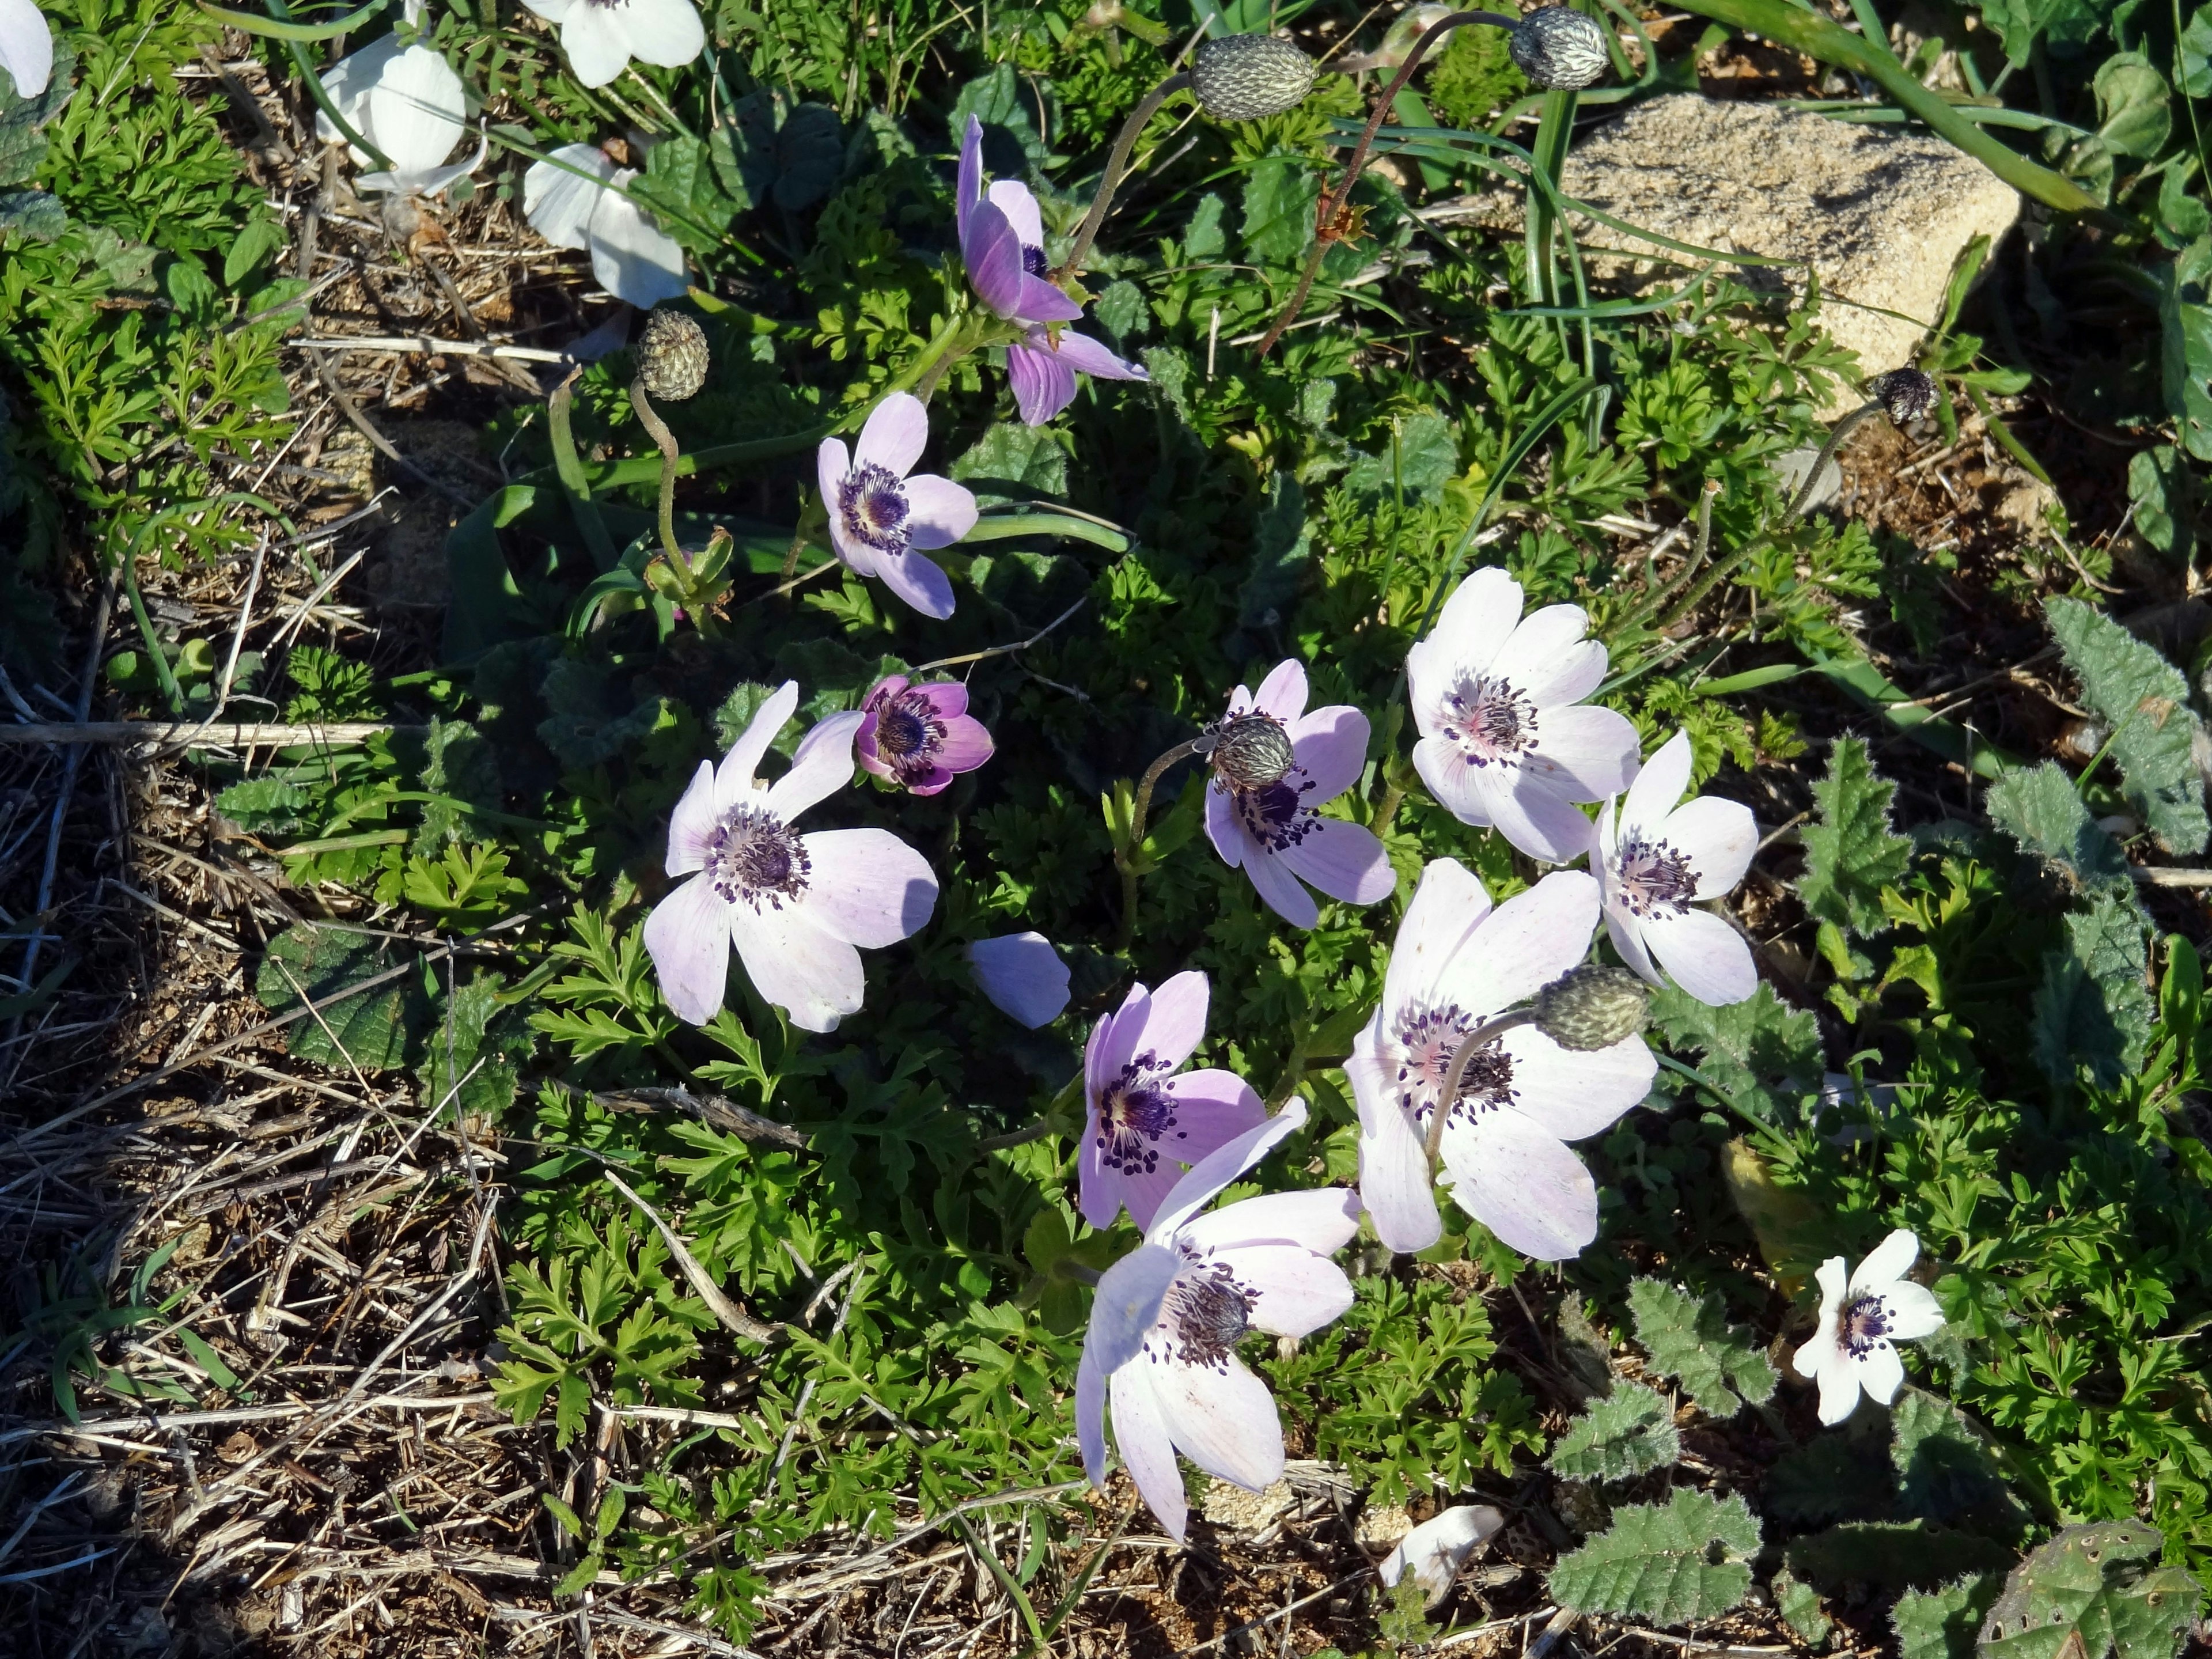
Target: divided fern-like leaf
2145, 701
1719, 1365
2041, 810
1628, 1433
2093, 1008
1851, 853
1685, 1559
1941, 1624
2095, 1590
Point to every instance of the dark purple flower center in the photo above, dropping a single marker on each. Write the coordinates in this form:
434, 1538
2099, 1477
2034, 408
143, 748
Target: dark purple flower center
1427, 1042
871, 507
1275, 815
1135, 1114
754, 858
1204, 1315
1033, 260
1865, 1326
1490, 721
1652, 876
910, 734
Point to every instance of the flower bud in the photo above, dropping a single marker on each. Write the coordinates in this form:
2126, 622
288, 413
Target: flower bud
1559, 48
1250, 751
671, 354
1593, 1008
1243, 77
1905, 394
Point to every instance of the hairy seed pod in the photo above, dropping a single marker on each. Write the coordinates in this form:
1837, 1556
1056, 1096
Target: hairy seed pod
671, 354
1243, 77
1593, 1008
1559, 48
1905, 394
1250, 752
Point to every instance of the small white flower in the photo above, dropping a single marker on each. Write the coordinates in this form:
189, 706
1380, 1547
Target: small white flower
1861, 1320
408, 102
27, 48
573, 198
602, 36
1435, 1551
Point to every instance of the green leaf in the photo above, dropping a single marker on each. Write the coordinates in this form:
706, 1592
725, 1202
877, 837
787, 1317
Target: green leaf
1850, 853
2042, 809
1000, 100
260, 239
2196, 54
2134, 113
34, 214
1946, 1471
1685, 1559
1280, 194
1421, 458
579, 1577
1122, 312
462, 765
2099, 1585
2164, 492
486, 606
1013, 463
1627, 1433
1282, 546
1799, 1604
685, 195
2145, 701
2063, 23
377, 1030
1764, 1053
2186, 347
2093, 1008
1689, 1339
1941, 1624
1203, 238
1891, 1555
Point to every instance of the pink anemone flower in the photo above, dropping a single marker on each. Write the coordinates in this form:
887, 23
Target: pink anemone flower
884, 514
919, 736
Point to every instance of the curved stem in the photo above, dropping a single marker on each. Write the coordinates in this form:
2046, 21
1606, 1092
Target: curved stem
569, 469
1117, 162
1126, 857
1064, 1268
1843, 428
650, 419
1462, 1057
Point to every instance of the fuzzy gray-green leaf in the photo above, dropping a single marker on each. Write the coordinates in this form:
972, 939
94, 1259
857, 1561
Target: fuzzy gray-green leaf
2041, 810
2093, 1009
2145, 699
1688, 1338
1627, 1433
1764, 1053
1671, 1563
1940, 1624
2100, 1584
1851, 853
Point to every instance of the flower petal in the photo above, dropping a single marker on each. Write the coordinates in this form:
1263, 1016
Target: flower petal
1473, 627
1881, 1372
598, 46
1115, 1039
559, 193
1524, 945
1449, 903
1203, 1181
1536, 812
1174, 1025
1013, 198
1707, 957
1222, 1419
1126, 1305
1086, 355
921, 583
1091, 1419
664, 31
1913, 1311
897, 433
1717, 838
1435, 1551
1572, 1094
823, 766
1296, 1290
1519, 1181
967, 745
1277, 887
688, 936
1395, 1181
416, 109
27, 48
1627, 934
938, 512
1023, 975
1592, 750
1331, 744
1548, 659
1839, 1388
798, 965
993, 253
692, 822
1283, 693
1887, 1262
1042, 383
1815, 1354
1317, 1220
1657, 788
868, 887
733, 778
632, 257
1345, 860
1140, 1432
1217, 1106
970, 189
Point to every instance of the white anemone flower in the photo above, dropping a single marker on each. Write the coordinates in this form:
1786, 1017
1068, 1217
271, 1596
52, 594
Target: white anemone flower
408, 102
1656, 859
573, 198
1861, 1321
1506, 739
1435, 1551
1456, 962
1168, 1316
602, 36
27, 48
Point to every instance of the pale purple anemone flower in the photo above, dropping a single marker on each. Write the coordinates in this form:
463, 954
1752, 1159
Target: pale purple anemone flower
919, 736
1166, 1319
1656, 859
882, 511
1023, 975
1274, 833
795, 905
1861, 1321
1456, 962
1504, 739
1002, 244
1144, 1121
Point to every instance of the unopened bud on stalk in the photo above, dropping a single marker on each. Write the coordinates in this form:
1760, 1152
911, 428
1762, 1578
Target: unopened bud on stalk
1593, 1008
1559, 48
1249, 752
1905, 395
1244, 77
672, 356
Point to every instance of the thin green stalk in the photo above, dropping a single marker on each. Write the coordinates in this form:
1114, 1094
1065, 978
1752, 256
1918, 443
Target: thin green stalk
575, 484
1127, 858
170, 691
649, 417
1117, 162
1554, 135
1463, 1056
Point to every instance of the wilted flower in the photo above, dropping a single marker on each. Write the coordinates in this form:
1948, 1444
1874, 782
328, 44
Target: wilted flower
919, 736
1272, 830
27, 48
1456, 962
1656, 860
406, 101
880, 516
1249, 77
1505, 738
1905, 395
1023, 975
1002, 244
1435, 1551
573, 198
602, 36
797, 906
1144, 1121
1167, 1318
1861, 1323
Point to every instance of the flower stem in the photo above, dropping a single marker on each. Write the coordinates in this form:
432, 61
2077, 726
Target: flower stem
1116, 162
1843, 428
1126, 856
1062, 1267
570, 470
670, 454
1462, 1057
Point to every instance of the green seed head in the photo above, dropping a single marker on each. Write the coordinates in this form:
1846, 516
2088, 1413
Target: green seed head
1593, 1008
1559, 48
671, 354
1250, 752
1243, 77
